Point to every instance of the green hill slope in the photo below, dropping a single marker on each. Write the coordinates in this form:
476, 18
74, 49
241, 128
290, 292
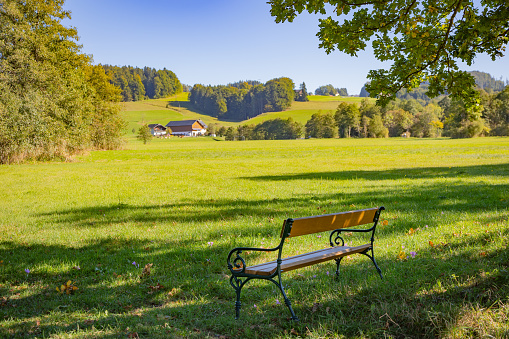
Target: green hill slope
178, 107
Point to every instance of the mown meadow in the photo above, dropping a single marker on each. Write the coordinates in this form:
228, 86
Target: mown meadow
90, 227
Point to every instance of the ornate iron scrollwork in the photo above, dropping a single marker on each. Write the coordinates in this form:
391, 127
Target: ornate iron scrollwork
238, 265
335, 238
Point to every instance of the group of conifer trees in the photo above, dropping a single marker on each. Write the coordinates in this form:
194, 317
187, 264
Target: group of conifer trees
147, 83
243, 100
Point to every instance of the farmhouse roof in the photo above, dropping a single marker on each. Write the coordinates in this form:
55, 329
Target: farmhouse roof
156, 125
185, 123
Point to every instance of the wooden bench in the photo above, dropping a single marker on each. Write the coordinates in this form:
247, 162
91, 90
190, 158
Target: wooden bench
337, 223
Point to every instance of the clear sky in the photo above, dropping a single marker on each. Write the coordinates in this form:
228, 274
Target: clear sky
216, 42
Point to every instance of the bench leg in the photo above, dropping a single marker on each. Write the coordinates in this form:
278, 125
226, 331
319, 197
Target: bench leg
338, 261
288, 303
238, 304
372, 257
237, 284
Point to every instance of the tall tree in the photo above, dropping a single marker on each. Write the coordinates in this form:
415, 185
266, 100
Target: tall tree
347, 116
279, 94
302, 94
424, 39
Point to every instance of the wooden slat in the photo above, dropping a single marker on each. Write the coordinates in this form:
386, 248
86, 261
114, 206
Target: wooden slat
307, 259
329, 222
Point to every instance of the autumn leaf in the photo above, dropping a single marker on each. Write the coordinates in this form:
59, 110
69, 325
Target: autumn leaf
146, 271
385, 222
68, 288
401, 255
156, 287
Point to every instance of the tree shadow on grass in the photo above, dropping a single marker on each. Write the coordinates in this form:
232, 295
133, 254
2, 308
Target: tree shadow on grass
110, 280
499, 170
432, 295
427, 204
187, 295
188, 288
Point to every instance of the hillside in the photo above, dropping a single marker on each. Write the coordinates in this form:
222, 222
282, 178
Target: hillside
178, 107
483, 81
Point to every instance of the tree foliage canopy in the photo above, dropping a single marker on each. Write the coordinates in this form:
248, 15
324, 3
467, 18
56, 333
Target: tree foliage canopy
424, 39
53, 102
138, 84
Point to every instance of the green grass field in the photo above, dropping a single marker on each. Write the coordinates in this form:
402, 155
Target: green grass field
182, 204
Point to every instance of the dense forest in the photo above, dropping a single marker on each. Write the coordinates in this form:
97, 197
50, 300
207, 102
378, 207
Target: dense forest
443, 117
243, 100
147, 83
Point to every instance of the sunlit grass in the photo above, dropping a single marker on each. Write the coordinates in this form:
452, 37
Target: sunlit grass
182, 204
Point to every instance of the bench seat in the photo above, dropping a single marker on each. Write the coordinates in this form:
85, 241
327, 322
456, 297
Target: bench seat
306, 259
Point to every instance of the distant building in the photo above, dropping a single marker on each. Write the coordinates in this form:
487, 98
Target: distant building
157, 129
189, 128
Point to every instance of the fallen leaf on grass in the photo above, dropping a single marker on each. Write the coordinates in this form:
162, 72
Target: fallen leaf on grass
401, 255
315, 308
154, 288
146, 271
68, 288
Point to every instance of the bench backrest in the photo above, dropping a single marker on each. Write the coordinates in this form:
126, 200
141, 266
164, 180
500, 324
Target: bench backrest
329, 222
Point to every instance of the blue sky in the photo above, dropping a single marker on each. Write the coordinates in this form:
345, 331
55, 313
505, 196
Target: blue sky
222, 41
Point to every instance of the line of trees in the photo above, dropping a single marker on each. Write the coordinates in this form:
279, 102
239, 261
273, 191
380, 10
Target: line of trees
331, 90
243, 100
53, 102
275, 129
147, 83
446, 117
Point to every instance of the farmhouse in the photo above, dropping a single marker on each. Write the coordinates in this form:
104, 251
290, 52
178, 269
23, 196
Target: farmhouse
157, 129
190, 128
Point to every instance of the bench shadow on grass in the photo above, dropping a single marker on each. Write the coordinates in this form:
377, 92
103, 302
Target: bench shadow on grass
188, 275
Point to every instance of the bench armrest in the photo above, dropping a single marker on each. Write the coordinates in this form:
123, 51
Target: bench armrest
336, 239
238, 263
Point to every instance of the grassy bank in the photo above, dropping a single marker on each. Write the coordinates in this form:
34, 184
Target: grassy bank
182, 204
